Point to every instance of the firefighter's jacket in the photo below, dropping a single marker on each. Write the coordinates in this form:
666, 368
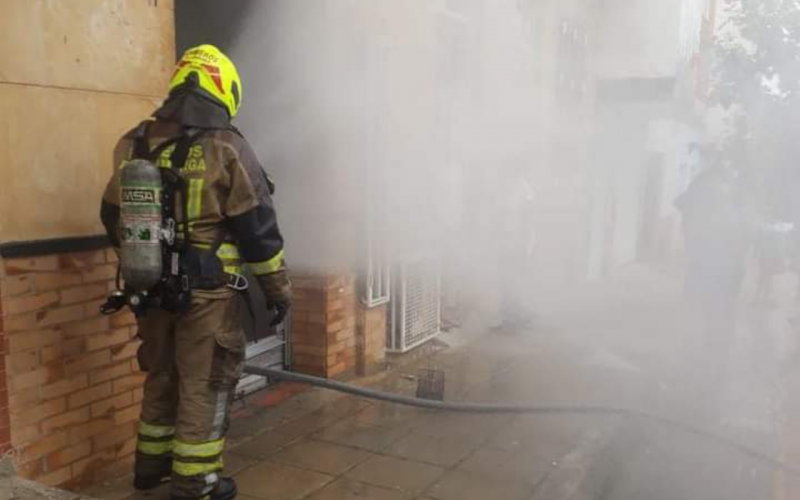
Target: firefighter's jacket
228, 200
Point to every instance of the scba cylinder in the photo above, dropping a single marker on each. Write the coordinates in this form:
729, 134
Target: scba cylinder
140, 225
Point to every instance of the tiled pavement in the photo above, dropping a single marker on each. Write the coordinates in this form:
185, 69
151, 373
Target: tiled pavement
319, 445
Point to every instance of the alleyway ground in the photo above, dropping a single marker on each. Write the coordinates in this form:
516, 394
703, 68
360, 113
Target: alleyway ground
622, 344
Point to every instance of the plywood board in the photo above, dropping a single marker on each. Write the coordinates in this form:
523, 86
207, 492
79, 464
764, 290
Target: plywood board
112, 45
56, 156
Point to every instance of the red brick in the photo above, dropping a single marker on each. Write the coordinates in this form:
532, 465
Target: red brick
80, 328
5, 438
129, 383
107, 407
21, 323
334, 305
14, 286
50, 317
123, 319
337, 369
90, 395
24, 398
41, 376
309, 340
56, 478
43, 446
82, 260
55, 281
88, 469
110, 372
307, 360
40, 412
105, 272
125, 351
66, 420
65, 350
92, 307
138, 395
128, 414
61, 458
90, 429
127, 448
23, 362
30, 303
107, 339
33, 264
115, 436
82, 294
65, 386
30, 470
317, 318
308, 349
87, 363
111, 256
315, 370
34, 339
311, 330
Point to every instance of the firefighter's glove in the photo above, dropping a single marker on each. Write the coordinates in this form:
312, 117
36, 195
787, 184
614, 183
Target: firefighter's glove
281, 309
277, 291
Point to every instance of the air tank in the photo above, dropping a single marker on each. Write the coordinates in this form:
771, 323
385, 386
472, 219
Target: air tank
140, 225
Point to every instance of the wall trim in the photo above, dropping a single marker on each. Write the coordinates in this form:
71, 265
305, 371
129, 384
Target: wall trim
37, 248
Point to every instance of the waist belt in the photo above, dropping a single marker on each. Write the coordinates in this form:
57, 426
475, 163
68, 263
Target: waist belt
233, 281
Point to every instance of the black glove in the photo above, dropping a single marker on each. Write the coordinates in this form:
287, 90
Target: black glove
281, 310
277, 290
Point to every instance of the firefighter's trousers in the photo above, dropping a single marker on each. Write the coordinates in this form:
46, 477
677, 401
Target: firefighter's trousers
193, 362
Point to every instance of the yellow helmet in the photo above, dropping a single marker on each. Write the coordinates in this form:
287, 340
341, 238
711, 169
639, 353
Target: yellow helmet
215, 74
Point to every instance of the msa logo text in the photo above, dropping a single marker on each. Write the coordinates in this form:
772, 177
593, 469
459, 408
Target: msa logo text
139, 196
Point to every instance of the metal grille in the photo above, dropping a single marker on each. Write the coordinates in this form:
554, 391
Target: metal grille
269, 352
416, 307
378, 283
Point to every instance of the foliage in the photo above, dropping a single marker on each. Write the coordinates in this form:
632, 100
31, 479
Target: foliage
758, 51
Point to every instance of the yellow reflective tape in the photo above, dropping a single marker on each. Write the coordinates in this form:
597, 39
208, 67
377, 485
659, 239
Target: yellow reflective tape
233, 269
228, 251
270, 266
195, 199
156, 431
202, 450
165, 158
195, 468
157, 448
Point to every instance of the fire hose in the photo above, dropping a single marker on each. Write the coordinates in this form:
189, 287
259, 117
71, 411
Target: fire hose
492, 408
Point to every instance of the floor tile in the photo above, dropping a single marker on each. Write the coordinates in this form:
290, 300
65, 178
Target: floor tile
268, 443
346, 489
503, 465
394, 472
358, 435
236, 463
443, 451
321, 456
461, 485
274, 481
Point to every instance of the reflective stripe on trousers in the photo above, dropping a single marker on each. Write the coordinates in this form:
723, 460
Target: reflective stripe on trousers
155, 440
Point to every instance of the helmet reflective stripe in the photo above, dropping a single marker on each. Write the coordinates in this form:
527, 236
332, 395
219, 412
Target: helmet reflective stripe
215, 74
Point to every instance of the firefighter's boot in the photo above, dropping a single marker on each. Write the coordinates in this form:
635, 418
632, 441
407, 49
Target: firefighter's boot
225, 490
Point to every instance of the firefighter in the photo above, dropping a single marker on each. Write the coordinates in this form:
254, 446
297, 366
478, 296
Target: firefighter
193, 356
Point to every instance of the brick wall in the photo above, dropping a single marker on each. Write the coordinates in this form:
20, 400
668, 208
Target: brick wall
327, 335
371, 338
73, 380
5, 414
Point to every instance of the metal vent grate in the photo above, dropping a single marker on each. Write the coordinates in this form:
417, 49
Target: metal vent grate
416, 304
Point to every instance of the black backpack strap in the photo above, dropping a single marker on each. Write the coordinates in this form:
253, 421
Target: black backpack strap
141, 144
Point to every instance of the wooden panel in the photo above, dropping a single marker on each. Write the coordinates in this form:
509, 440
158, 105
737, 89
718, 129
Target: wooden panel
114, 45
55, 157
